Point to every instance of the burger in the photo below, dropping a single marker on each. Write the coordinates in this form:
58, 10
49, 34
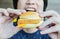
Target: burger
29, 20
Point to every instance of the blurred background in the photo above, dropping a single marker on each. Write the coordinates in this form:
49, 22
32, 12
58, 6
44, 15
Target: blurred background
52, 5
6, 4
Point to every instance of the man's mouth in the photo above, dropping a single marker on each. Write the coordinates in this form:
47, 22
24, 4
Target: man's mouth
30, 9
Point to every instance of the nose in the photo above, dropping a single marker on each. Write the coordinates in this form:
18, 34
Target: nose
30, 4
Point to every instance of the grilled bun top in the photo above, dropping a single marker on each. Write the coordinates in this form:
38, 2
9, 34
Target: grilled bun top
29, 15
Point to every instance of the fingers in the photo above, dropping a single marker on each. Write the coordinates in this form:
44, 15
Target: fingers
15, 11
47, 22
4, 11
9, 10
52, 29
50, 13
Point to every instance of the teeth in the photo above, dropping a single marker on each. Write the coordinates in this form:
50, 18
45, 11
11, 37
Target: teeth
30, 9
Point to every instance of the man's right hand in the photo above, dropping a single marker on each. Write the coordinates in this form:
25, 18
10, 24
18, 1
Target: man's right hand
7, 29
9, 14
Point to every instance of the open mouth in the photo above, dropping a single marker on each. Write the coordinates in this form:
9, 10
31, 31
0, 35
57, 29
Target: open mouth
30, 9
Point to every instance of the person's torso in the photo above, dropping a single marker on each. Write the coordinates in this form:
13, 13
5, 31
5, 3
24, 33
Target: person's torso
23, 35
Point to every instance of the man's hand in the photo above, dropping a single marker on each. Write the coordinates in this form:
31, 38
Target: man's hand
7, 15
14, 12
55, 18
7, 29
